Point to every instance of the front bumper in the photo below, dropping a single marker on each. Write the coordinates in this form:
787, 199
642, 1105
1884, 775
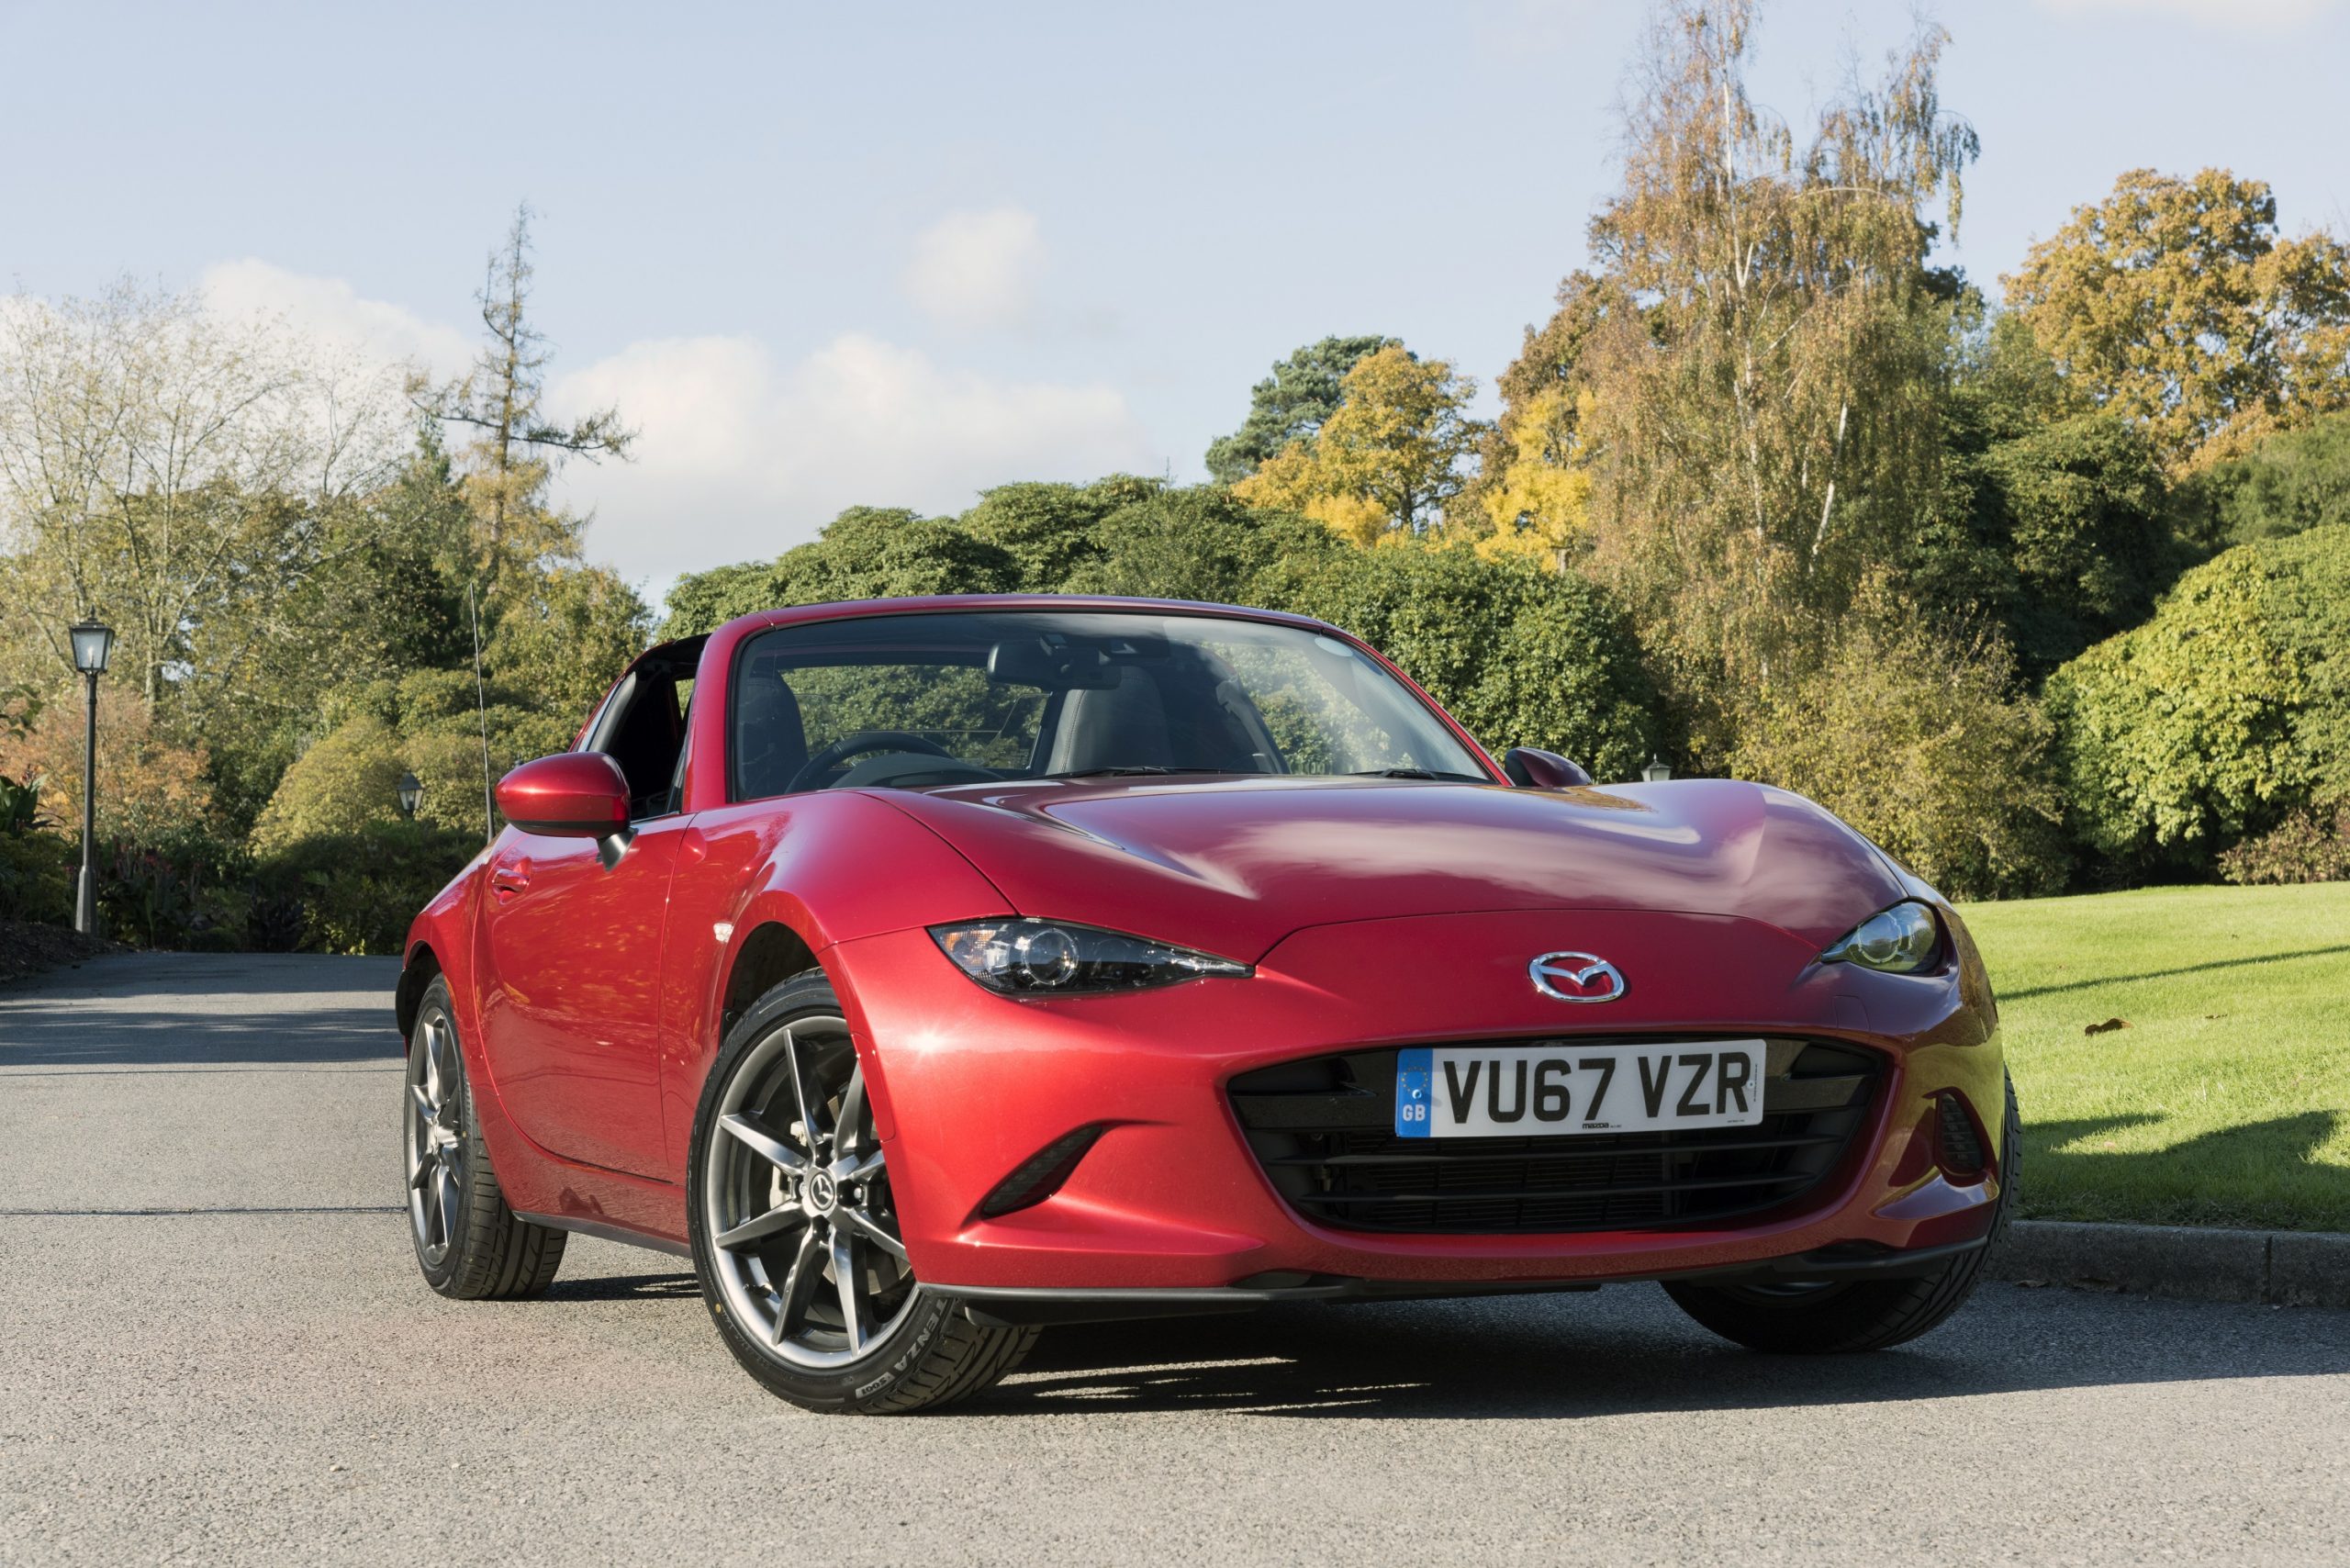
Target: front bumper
969, 1085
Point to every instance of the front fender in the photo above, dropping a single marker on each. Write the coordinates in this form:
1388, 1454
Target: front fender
831, 867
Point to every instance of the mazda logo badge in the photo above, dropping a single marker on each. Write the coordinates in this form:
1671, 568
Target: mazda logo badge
1576, 976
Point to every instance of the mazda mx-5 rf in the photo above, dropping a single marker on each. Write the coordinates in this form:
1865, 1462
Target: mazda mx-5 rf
932, 970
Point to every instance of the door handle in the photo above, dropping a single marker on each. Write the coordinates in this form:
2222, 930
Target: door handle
509, 877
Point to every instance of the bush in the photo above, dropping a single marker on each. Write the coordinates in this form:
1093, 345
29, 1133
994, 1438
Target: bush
1520, 655
357, 892
341, 784
184, 890
1197, 543
2221, 715
2307, 846
1924, 746
37, 878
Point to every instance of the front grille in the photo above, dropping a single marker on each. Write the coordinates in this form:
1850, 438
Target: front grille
1324, 1131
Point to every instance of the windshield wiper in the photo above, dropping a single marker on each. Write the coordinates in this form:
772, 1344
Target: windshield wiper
1124, 772
1418, 773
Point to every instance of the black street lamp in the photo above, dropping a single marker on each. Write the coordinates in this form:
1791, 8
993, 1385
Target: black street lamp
92, 643
1657, 771
411, 792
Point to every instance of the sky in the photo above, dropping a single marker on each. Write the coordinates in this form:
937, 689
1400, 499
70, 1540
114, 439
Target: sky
823, 255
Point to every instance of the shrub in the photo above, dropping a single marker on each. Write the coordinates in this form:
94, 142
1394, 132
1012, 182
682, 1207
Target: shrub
1520, 655
1923, 745
37, 878
1197, 543
357, 892
2226, 712
345, 781
2307, 846
149, 785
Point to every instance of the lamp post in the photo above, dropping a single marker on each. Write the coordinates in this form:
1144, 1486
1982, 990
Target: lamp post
411, 793
1657, 771
93, 642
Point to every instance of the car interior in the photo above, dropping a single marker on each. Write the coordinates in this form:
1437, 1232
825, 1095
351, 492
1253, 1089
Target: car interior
857, 705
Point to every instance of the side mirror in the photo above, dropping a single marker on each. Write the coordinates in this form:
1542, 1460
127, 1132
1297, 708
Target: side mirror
579, 794
1531, 769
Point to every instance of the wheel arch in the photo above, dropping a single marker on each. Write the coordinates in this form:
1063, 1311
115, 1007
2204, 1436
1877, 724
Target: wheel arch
773, 952
422, 967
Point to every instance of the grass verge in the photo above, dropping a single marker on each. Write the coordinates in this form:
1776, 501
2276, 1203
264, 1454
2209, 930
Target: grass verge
2225, 1098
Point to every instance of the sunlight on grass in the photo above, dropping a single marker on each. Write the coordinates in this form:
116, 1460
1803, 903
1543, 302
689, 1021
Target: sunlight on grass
2226, 1099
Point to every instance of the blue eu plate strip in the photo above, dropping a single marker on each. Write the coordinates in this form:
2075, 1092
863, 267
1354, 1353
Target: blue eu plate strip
1414, 1096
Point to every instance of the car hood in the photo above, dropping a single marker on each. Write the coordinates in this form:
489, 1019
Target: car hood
1232, 866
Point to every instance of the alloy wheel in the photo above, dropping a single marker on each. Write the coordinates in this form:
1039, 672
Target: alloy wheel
803, 1237
436, 1143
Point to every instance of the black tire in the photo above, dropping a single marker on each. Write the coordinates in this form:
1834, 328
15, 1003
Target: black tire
477, 1249
1860, 1314
929, 1353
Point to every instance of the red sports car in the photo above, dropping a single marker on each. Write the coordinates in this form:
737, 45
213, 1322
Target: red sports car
931, 970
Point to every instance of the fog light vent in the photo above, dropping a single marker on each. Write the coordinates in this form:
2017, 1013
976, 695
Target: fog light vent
1040, 1175
1962, 1148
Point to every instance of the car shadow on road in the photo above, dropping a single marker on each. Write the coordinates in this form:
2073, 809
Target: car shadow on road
1551, 1356
175, 1011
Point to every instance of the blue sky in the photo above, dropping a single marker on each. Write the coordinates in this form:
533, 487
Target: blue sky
894, 254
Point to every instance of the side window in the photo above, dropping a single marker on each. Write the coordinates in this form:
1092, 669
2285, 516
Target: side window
645, 733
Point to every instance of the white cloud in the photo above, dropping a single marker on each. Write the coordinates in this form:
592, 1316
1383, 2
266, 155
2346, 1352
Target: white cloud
331, 314
977, 270
739, 456
739, 459
2266, 15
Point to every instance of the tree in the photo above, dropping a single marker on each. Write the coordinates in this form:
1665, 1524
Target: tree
1785, 353
1048, 529
1289, 405
2174, 302
563, 640
2080, 510
2293, 481
865, 552
169, 470
1533, 487
1388, 460
515, 446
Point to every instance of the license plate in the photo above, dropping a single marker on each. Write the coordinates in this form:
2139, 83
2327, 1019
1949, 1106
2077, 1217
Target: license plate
1557, 1088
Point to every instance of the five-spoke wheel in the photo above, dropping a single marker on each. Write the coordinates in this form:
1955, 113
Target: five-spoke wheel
436, 1143
797, 1199
469, 1242
796, 1230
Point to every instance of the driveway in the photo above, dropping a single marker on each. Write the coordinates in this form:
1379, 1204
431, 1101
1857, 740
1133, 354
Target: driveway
214, 1347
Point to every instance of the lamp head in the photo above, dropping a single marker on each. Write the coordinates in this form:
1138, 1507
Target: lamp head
92, 644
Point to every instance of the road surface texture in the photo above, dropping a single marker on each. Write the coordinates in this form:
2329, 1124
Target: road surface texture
214, 1347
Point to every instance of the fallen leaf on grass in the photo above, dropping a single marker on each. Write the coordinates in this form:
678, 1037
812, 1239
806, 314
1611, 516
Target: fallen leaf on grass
2107, 1027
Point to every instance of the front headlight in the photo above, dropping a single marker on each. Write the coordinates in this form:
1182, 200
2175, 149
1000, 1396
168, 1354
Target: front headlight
1901, 940
1052, 958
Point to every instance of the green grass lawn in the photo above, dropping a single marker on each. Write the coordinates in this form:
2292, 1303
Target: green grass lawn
2227, 1099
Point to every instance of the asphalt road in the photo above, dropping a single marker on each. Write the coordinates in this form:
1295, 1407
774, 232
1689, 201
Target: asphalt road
214, 1347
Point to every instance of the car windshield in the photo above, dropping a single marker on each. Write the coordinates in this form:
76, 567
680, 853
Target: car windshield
925, 700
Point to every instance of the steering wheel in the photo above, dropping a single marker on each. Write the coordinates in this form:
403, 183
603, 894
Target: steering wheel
856, 741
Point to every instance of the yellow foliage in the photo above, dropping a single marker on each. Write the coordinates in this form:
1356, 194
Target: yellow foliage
148, 783
1386, 463
1540, 504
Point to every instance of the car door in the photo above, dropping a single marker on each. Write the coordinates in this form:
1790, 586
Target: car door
572, 1016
